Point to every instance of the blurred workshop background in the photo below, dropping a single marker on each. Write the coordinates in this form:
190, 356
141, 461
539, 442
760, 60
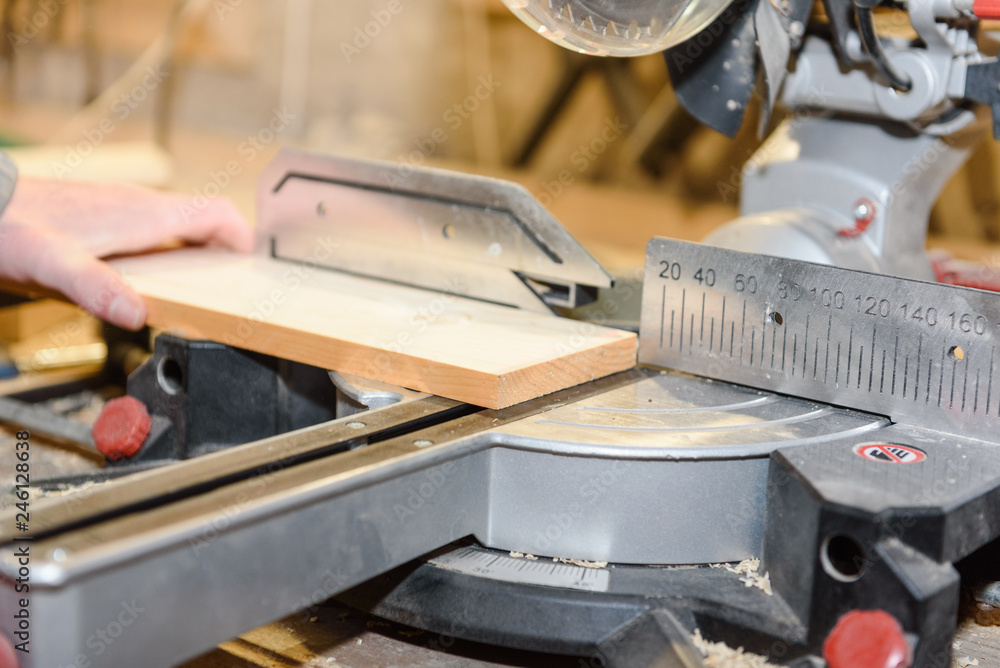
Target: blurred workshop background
171, 92
197, 95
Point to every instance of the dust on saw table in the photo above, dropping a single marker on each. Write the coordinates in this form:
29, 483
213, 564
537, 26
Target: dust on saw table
331, 635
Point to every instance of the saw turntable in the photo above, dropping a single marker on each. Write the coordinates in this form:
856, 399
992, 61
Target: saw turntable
831, 413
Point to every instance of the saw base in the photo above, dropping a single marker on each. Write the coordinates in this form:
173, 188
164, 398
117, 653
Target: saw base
566, 621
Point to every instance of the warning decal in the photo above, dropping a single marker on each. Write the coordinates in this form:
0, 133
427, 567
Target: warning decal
890, 453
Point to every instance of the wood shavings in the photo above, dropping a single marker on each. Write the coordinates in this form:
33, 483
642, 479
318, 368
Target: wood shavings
580, 562
749, 571
66, 491
974, 644
522, 555
721, 655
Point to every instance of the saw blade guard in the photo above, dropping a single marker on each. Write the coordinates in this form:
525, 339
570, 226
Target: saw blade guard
605, 28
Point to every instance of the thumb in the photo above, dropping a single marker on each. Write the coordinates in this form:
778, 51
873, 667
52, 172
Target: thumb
109, 298
101, 290
42, 256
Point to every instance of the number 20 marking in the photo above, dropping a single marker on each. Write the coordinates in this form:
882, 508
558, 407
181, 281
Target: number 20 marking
670, 270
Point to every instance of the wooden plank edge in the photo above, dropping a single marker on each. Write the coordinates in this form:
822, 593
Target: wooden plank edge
453, 382
572, 369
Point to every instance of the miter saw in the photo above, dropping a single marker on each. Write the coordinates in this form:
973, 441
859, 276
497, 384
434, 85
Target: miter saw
829, 413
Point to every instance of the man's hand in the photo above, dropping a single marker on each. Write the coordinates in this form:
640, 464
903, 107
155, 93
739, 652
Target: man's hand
52, 233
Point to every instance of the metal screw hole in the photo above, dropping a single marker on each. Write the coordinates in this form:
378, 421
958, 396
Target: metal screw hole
843, 558
169, 375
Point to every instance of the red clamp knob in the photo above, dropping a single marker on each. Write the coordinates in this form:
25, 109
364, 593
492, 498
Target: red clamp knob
867, 639
122, 427
986, 9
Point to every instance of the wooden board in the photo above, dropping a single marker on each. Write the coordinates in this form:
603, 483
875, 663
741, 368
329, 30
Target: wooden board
466, 350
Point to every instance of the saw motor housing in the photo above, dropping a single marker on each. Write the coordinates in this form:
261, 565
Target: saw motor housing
878, 124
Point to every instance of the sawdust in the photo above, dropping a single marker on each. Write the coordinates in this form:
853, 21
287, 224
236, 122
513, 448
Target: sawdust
974, 644
581, 562
749, 572
721, 655
65, 491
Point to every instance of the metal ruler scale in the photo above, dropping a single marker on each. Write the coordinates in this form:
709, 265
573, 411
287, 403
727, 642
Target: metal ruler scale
505, 568
920, 353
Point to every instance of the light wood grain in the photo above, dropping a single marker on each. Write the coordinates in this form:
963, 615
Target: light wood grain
466, 350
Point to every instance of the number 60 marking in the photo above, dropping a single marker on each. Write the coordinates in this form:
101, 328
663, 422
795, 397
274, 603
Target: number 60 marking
745, 283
